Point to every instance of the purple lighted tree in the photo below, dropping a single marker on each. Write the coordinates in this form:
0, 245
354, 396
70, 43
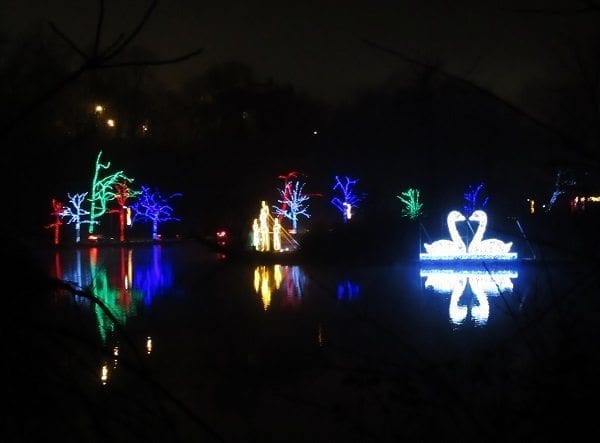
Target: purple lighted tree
349, 199
152, 206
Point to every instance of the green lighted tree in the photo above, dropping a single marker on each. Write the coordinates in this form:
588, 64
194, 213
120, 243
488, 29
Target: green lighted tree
103, 190
412, 206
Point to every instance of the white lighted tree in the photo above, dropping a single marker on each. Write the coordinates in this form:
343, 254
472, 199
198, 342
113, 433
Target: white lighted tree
293, 204
74, 211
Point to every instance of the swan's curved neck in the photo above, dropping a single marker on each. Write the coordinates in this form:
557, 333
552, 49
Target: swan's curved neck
454, 235
479, 233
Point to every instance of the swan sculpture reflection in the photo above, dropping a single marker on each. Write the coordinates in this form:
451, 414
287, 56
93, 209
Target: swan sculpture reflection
444, 247
490, 246
484, 283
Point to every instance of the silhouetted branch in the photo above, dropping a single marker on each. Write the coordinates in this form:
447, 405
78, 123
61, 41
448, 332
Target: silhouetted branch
153, 62
586, 7
97, 58
99, 28
567, 140
68, 41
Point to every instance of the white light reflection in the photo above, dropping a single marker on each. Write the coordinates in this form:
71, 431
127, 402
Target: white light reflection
483, 283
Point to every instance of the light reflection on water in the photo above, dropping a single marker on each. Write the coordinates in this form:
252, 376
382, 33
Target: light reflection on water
285, 280
124, 279
469, 289
251, 329
127, 279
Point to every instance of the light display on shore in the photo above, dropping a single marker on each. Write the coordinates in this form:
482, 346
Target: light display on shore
478, 248
348, 200
293, 204
57, 213
474, 199
152, 206
268, 234
75, 212
103, 190
412, 205
122, 194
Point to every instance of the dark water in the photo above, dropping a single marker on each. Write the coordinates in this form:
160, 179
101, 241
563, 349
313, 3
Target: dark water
195, 348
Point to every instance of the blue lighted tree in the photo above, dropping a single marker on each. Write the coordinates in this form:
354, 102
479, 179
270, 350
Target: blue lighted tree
75, 212
349, 199
153, 206
474, 199
293, 204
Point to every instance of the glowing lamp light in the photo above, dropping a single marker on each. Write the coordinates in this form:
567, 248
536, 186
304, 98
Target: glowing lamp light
110, 123
478, 249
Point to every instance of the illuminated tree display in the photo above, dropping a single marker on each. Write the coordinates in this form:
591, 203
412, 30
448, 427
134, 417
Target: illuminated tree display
75, 212
287, 192
122, 194
103, 190
152, 206
474, 199
293, 204
57, 213
348, 200
412, 206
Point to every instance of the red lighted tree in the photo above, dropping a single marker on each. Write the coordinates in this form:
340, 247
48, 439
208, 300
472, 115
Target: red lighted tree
57, 212
122, 194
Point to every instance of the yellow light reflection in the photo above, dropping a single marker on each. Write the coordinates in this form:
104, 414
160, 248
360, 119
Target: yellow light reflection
148, 345
277, 277
104, 374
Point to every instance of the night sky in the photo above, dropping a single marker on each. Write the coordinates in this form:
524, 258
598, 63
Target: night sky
318, 46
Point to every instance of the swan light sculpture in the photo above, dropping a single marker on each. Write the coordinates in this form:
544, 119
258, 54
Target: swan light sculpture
491, 248
447, 249
478, 249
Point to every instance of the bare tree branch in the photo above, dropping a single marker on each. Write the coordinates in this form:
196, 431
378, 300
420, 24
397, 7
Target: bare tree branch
153, 62
567, 140
68, 41
97, 58
99, 28
587, 6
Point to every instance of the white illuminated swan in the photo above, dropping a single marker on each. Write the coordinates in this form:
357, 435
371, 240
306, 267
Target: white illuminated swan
487, 247
455, 246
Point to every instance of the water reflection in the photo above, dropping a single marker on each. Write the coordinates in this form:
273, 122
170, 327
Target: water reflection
124, 279
346, 290
469, 290
285, 280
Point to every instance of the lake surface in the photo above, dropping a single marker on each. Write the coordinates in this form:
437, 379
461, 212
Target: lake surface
197, 347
